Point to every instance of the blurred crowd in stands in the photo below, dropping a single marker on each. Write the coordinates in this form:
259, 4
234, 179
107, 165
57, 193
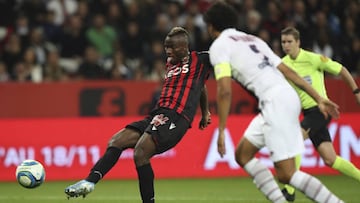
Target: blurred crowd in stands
66, 40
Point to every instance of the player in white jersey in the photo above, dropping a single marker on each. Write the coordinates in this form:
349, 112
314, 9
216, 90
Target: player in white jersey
257, 71
249, 61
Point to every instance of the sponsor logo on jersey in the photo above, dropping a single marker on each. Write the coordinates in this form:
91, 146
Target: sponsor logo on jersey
177, 70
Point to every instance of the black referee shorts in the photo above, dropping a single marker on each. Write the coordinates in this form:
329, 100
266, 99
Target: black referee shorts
167, 128
317, 123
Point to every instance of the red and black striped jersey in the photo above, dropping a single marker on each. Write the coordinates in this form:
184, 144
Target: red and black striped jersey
183, 84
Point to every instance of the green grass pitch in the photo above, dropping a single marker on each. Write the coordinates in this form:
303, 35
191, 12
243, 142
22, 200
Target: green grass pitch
222, 190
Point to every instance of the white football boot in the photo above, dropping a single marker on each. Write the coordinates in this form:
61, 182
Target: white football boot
81, 188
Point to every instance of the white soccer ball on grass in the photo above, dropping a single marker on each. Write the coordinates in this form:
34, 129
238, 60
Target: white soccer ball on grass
30, 174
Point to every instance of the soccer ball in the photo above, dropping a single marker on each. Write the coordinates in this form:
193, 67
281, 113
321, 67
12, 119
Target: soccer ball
30, 174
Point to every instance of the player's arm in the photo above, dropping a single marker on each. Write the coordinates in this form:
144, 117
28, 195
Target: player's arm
349, 80
326, 106
223, 98
204, 106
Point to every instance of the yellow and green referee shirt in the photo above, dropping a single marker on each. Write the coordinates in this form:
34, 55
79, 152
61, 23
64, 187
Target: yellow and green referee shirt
311, 66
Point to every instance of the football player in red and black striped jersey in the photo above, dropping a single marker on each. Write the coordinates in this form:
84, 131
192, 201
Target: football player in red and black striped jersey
182, 91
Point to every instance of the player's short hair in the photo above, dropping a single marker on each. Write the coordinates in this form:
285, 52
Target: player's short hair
178, 31
221, 16
291, 31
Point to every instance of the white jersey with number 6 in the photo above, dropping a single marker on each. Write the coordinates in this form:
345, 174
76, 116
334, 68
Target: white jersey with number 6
253, 63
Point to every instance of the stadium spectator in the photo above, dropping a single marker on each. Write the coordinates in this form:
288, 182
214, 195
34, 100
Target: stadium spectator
133, 12
351, 48
102, 36
273, 20
22, 29
264, 35
84, 13
39, 44
53, 70
133, 46
193, 12
12, 53
21, 74
243, 12
31, 64
195, 32
253, 22
72, 43
119, 70
322, 43
161, 27
4, 75
352, 10
115, 18
27, 70
34, 10
62, 9
50, 29
153, 54
91, 68
302, 22
158, 71
173, 11
149, 11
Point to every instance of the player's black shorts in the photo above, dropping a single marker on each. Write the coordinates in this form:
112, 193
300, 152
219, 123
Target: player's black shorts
141, 125
316, 122
167, 128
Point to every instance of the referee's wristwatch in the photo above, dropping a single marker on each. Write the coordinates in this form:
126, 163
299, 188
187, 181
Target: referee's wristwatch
356, 91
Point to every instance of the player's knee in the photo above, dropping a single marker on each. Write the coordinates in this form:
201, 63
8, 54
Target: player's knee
240, 158
284, 171
327, 153
139, 157
243, 155
240, 161
284, 177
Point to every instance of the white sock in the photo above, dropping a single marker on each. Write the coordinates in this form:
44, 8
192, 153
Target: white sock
264, 180
313, 188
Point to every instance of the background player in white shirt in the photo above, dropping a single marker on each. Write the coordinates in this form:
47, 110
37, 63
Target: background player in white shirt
249, 61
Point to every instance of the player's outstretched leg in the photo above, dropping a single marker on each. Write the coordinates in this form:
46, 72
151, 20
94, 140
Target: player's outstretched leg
81, 188
313, 188
99, 170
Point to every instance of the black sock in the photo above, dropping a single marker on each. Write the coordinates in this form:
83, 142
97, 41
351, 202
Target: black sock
146, 183
104, 164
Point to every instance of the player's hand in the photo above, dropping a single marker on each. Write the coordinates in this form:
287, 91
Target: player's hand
328, 107
357, 96
205, 121
221, 143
